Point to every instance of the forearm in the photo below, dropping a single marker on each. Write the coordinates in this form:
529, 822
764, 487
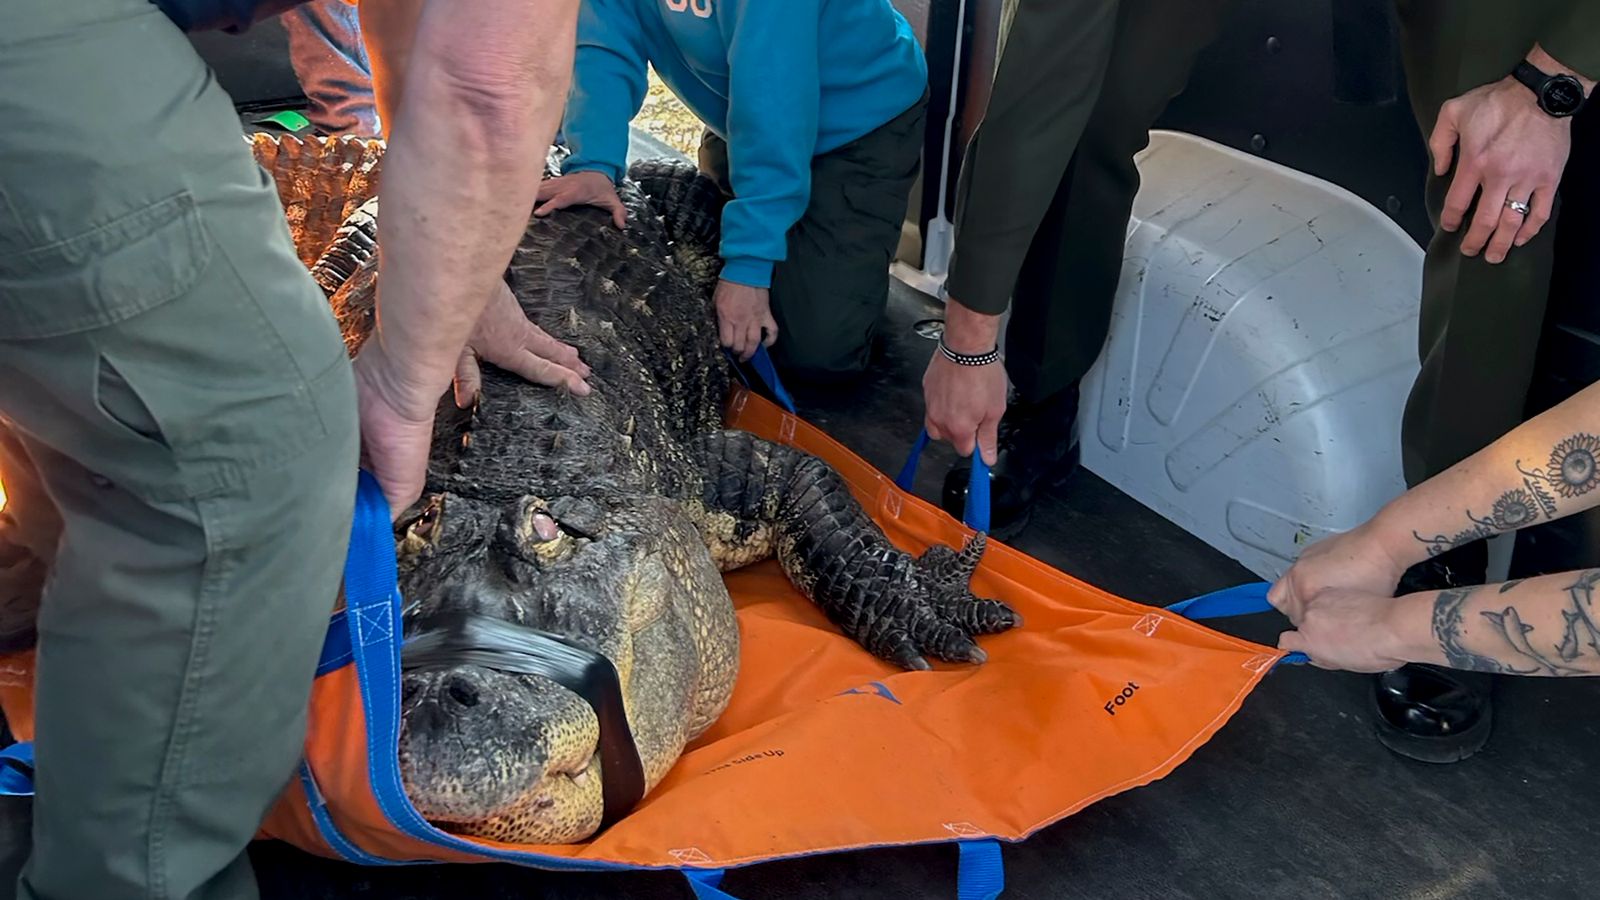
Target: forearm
1543, 470
388, 29
608, 87
774, 103
479, 108
969, 331
1541, 626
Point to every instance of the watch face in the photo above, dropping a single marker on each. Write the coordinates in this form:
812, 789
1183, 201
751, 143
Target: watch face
1563, 95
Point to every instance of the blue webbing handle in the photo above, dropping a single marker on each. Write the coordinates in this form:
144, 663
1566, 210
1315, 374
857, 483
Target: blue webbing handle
980, 875
975, 512
1243, 600
706, 884
16, 766
762, 363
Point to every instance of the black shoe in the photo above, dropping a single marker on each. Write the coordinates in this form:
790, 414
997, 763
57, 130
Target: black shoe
1432, 714
1038, 450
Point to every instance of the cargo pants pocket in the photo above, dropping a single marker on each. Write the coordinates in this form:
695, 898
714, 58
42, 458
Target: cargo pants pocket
105, 274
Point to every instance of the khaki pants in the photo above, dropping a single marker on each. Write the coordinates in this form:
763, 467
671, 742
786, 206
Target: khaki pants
829, 293
180, 447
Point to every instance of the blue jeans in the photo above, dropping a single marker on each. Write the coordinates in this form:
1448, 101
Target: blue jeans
328, 57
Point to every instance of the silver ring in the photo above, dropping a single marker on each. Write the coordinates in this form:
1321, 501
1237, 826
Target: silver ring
1519, 206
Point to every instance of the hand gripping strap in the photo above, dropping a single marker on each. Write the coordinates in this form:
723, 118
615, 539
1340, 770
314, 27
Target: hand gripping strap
761, 361
976, 511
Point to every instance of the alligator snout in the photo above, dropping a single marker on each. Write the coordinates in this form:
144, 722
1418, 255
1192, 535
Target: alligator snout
461, 691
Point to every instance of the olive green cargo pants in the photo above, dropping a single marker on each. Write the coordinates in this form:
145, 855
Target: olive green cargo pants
181, 448
830, 292
1048, 181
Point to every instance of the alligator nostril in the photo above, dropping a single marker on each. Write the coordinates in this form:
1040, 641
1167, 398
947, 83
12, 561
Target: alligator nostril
462, 692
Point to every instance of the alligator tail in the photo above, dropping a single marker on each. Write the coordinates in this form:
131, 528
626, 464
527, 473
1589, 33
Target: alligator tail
353, 244
689, 205
762, 499
321, 181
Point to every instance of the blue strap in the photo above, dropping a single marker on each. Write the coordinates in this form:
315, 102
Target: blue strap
1243, 600
14, 781
976, 510
706, 884
982, 873
762, 363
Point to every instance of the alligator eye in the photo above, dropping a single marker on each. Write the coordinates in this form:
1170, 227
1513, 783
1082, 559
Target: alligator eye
543, 527
533, 530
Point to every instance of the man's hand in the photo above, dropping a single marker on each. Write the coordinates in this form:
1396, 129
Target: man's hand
581, 189
1508, 148
504, 337
964, 403
1350, 630
743, 313
396, 421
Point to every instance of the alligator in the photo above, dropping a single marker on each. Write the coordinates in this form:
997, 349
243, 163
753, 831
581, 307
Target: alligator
607, 519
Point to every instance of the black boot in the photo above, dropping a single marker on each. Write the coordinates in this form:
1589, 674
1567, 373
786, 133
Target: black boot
1428, 713
1038, 450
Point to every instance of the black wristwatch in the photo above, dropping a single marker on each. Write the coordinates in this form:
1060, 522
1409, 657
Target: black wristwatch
1559, 95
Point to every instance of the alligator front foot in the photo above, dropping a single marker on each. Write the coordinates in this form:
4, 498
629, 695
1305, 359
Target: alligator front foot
931, 611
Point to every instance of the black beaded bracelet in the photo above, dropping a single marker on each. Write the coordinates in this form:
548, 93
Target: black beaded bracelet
968, 359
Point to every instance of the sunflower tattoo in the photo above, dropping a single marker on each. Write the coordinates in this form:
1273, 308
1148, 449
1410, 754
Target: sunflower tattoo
1515, 509
1573, 471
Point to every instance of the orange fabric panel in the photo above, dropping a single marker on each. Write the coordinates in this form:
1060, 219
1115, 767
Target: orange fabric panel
16, 693
823, 747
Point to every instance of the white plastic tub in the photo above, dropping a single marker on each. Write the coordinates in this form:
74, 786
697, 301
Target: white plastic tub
1262, 346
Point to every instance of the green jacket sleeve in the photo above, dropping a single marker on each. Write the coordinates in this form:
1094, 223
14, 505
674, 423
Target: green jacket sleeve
1572, 36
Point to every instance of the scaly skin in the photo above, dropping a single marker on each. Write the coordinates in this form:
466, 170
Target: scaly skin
609, 518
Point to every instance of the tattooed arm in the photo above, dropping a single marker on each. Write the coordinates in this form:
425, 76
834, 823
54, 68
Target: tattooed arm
1545, 626
1543, 470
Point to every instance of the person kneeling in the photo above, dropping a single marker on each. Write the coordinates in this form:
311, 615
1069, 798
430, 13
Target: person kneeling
814, 116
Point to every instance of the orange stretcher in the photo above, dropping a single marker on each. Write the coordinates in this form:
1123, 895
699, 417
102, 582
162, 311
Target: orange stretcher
823, 747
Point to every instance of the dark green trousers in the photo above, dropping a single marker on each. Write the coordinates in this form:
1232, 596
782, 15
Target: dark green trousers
1048, 183
178, 434
1480, 323
830, 292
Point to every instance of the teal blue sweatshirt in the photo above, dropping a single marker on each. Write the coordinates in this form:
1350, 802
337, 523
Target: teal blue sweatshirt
781, 81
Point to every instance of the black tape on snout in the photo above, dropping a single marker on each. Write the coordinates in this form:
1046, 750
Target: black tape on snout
448, 640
